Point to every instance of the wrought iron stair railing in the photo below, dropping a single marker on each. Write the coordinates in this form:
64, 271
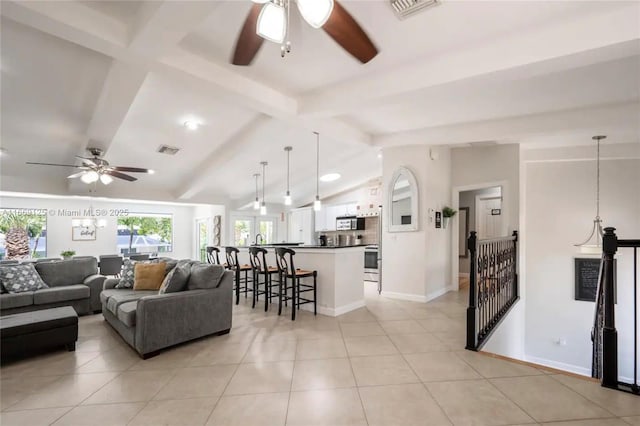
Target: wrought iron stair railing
493, 285
604, 333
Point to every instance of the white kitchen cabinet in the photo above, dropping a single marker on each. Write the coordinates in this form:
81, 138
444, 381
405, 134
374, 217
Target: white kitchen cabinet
301, 226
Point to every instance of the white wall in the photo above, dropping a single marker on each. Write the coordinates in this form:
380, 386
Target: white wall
481, 167
416, 265
560, 207
59, 227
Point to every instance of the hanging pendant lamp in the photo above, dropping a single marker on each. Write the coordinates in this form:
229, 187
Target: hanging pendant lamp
317, 204
263, 206
287, 197
593, 244
256, 202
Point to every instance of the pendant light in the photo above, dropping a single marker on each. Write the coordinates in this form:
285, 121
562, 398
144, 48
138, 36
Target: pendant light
263, 206
287, 197
317, 205
256, 203
593, 244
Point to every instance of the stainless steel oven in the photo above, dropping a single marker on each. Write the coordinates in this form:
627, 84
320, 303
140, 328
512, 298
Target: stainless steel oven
371, 266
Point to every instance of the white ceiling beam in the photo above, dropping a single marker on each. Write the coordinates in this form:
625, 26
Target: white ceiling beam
542, 44
620, 118
74, 22
161, 25
234, 146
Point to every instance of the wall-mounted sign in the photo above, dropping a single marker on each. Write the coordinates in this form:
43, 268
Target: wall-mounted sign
496, 212
587, 272
438, 219
83, 233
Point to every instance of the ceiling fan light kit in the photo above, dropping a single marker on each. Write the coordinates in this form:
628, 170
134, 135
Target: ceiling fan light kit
272, 22
269, 20
315, 12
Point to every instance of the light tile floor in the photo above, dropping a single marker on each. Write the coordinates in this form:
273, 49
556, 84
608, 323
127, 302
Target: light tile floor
391, 363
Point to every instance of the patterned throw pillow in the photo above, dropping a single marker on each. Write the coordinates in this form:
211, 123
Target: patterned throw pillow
127, 275
21, 278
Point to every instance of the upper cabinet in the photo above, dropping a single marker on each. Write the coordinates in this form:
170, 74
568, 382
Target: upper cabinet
326, 217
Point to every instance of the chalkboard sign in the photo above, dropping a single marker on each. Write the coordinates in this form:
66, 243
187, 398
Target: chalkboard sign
586, 278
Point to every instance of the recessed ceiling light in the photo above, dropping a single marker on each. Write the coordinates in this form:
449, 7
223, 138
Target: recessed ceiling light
330, 177
380, 154
151, 171
191, 125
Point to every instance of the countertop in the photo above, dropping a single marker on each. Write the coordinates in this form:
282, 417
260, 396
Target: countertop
296, 247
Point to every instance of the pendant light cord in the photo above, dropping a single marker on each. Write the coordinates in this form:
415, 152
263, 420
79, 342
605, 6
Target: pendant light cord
598, 181
288, 154
264, 165
317, 165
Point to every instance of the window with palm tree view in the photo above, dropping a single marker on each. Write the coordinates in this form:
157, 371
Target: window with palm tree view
145, 233
23, 234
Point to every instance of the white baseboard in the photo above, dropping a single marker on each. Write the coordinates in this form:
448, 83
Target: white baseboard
417, 297
340, 310
440, 292
404, 296
571, 368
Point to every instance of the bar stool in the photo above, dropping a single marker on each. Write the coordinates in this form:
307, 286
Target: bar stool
258, 259
234, 265
213, 255
288, 270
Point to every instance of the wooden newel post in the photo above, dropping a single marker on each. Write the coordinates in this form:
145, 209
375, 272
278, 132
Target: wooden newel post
472, 334
609, 333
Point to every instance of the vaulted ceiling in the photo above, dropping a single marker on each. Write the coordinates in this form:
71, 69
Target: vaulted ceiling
125, 75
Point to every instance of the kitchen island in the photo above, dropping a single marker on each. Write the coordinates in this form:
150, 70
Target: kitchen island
340, 275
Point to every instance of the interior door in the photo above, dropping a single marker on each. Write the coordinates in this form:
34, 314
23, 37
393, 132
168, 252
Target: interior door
489, 217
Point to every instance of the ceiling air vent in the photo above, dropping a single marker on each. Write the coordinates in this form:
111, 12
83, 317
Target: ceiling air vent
169, 150
404, 8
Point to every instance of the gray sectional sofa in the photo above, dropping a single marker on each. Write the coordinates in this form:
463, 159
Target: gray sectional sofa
74, 283
149, 321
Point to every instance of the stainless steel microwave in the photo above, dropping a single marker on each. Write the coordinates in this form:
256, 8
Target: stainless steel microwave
349, 223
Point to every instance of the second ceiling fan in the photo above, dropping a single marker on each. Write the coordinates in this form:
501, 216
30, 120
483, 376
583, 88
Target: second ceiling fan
269, 19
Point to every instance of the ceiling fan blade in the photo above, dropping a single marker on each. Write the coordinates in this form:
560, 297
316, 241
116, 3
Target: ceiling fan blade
349, 34
87, 161
51, 164
119, 175
248, 42
129, 169
75, 175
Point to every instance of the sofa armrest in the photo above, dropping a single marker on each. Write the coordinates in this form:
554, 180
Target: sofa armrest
164, 320
110, 283
95, 283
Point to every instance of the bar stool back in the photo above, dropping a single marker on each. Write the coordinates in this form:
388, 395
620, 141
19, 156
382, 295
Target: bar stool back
242, 282
288, 270
258, 258
213, 255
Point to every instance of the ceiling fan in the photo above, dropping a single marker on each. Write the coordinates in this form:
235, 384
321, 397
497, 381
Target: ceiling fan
269, 19
95, 168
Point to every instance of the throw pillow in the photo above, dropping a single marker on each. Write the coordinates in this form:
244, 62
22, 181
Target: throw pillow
127, 275
21, 278
204, 276
149, 276
176, 280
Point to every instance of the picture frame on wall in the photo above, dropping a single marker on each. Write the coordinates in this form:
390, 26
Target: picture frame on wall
83, 233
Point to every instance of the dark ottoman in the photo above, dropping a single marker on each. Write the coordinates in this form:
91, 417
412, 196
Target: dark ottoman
32, 331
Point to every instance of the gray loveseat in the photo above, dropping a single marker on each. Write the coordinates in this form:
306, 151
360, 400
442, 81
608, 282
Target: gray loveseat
149, 321
74, 283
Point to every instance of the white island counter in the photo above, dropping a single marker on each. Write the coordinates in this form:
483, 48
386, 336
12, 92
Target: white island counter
340, 275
